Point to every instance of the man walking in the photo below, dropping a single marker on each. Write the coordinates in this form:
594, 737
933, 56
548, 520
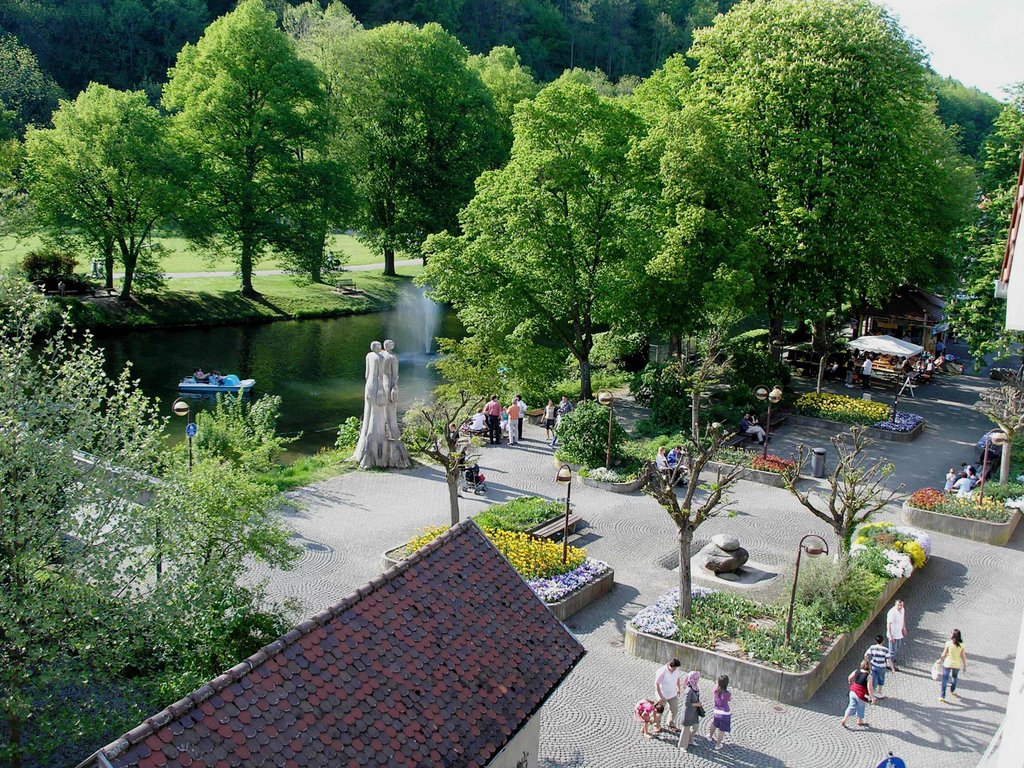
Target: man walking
880, 658
666, 688
513, 423
896, 631
493, 413
522, 413
865, 371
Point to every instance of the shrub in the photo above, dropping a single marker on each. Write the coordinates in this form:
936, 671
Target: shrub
520, 514
841, 408
241, 433
753, 365
44, 265
1004, 492
584, 435
348, 433
840, 591
619, 351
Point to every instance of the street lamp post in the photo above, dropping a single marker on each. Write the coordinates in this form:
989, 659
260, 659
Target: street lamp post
181, 408
607, 398
995, 438
812, 550
773, 397
565, 476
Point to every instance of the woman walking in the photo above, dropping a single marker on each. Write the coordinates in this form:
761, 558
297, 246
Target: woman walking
550, 412
692, 710
954, 661
862, 690
721, 716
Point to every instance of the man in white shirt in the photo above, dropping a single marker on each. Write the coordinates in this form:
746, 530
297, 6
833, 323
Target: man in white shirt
964, 486
522, 414
865, 372
666, 688
895, 630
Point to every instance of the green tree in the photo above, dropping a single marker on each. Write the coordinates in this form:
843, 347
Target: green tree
103, 176
245, 105
859, 183
420, 127
26, 91
973, 112
553, 225
509, 83
68, 536
979, 317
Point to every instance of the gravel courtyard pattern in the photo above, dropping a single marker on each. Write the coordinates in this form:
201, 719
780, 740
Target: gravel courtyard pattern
344, 523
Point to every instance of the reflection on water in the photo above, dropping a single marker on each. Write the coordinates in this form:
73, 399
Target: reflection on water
315, 366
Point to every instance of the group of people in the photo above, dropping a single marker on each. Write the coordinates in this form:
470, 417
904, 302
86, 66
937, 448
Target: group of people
674, 691
668, 461
201, 377
859, 369
868, 680
497, 422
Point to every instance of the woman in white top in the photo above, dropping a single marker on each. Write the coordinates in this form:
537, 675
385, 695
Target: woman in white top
661, 460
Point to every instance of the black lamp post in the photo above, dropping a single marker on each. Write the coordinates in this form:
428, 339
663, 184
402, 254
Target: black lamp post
773, 397
607, 398
565, 476
811, 549
181, 408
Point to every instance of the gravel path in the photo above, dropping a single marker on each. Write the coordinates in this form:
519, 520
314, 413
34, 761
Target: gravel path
345, 523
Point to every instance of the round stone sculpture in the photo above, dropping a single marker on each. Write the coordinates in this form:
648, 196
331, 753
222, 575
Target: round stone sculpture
720, 560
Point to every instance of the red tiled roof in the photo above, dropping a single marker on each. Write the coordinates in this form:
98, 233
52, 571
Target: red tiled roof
437, 662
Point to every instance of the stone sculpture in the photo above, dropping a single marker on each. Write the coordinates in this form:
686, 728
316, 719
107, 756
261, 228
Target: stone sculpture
379, 443
724, 554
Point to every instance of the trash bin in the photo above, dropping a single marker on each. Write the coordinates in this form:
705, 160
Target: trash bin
818, 462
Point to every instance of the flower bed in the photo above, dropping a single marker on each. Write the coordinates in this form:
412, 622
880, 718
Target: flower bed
903, 423
991, 521
891, 551
767, 470
616, 481
850, 410
565, 587
523, 514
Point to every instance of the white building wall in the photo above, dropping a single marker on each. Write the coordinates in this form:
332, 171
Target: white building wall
521, 752
1015, 291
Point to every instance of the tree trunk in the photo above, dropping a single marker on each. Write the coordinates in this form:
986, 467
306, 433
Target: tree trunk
586, 391
389, 261
1004, 463
108, 264
775, 336
695, 415
245, 267
685, 539
819, 343
13, 740
130, 259
453, 490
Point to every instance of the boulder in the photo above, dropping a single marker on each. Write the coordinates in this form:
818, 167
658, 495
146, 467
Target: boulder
726, 542
720, 561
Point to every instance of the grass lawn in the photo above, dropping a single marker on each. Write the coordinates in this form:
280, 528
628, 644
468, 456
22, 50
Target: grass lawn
214, 300
183, 257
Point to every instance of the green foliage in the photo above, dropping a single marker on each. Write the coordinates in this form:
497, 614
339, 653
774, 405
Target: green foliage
753, 366
509, 83
306, 470
520, 514
843, 591
241, 433
620, 351
662, 388
1012, 490
48, 264
970, 110
348, 433
102, 178
584, 435
29, 93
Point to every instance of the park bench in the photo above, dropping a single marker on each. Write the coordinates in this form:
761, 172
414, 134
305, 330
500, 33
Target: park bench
554, 529
347, 286
535, 415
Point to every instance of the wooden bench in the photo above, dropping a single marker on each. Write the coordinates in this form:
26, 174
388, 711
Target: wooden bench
554, 529
348, 287
536, 416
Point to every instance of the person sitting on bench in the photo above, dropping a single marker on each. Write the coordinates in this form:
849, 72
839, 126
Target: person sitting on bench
749, 426
478, 424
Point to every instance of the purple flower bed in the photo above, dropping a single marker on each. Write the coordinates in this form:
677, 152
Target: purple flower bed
659, 618
904, 422
560, 587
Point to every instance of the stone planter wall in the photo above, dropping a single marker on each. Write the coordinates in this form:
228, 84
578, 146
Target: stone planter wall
963, 527
581, 598
769, 682
773, 479
627, 487
835, 427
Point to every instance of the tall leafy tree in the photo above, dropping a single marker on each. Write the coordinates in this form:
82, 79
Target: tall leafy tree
246, 107
547, 250
832, 104
509, 83
27, 92
103, 176
973, 112
420, 127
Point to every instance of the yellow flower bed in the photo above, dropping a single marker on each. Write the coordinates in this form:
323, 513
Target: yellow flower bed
532, 558
852, 410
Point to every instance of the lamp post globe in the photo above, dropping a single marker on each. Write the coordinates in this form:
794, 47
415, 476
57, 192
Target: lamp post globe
565, 476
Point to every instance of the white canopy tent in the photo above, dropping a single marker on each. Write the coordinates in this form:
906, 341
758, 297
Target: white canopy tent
886, 345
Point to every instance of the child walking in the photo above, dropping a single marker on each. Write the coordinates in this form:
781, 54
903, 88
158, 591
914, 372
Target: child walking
721, 715
649, 713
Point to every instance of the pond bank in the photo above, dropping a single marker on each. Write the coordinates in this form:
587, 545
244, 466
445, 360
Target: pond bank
213, 301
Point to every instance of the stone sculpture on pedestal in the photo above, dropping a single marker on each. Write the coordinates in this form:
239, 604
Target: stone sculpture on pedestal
724, 554
379, 441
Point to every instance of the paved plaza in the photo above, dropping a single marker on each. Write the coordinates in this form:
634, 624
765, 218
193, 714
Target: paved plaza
346, 523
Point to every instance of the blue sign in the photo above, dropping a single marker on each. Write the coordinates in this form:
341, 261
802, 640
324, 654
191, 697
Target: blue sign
892, 762
191, 429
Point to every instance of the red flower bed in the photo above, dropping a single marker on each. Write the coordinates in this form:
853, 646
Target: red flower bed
773, 463
927, 498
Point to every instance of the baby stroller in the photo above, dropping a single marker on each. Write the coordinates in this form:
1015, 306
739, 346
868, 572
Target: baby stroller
472, 479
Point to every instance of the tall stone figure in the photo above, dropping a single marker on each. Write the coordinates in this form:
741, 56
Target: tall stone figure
397, 455
375, 448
